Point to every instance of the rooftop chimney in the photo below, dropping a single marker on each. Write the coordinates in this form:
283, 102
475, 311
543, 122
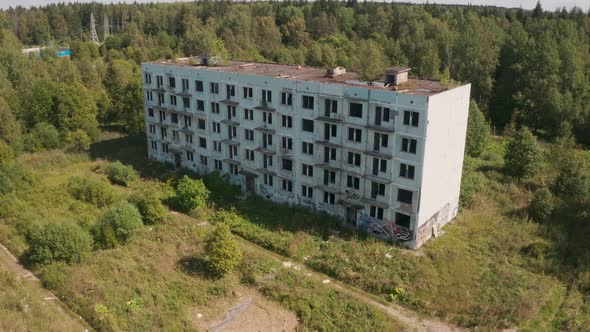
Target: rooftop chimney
396, 75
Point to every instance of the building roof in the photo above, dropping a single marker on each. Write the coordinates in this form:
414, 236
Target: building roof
314, 74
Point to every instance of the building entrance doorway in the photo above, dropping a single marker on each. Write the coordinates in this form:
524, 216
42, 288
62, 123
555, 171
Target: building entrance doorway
351, 214
250, 184
177, 160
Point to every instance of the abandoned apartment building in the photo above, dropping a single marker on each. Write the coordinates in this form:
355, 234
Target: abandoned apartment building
385, 157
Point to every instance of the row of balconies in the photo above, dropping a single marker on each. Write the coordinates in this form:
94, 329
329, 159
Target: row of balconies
316, 114
318, 137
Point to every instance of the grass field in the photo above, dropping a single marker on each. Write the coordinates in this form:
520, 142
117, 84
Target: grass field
493, 268
154, 282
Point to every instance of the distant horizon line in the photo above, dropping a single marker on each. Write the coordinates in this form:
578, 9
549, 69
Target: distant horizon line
461, 3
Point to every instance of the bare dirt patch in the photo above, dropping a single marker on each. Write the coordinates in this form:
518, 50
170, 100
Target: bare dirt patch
248, 311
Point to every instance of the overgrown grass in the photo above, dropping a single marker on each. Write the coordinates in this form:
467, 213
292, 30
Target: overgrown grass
494, 268
152, 281
21, 309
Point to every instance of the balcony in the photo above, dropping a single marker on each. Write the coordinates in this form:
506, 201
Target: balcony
230, 102
379, 154
285, 173
230, 122
184, 93
186, 129
286, 152
332, 117
383, 127
328, 166
375, 202
230, 141
264, 107
378, 179
328, 188
269, 149
265, 129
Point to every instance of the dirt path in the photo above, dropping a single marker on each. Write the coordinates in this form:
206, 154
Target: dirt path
61, 316
395, 311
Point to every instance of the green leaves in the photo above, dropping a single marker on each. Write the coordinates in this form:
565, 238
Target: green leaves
223, 252
59, 242
190, 194
478, 131
523, 155
117, 225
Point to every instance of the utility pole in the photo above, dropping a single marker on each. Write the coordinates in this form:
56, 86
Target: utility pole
93, 34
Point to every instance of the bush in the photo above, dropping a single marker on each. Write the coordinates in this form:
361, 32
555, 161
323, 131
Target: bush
223, 252
53, 275
491, 156
541, 206
91, 191
121, 174
59, 242
78, 140
221, 189
149, 203
190, 194
523, 155
116, 226
573, 180
6, 154
43, 136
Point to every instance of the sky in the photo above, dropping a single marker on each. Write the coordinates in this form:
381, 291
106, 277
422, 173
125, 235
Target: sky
526, 4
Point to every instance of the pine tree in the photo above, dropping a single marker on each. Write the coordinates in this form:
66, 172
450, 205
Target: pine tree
523, 155
478, 131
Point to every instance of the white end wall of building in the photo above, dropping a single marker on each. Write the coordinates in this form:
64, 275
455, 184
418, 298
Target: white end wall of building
443, 160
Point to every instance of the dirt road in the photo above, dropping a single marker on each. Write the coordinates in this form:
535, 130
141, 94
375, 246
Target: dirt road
42, 305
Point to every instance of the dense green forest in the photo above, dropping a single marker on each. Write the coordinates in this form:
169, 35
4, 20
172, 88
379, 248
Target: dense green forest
527, 67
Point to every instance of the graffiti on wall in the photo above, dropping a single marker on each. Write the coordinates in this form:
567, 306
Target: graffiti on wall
264, 191
384, 229
352, 195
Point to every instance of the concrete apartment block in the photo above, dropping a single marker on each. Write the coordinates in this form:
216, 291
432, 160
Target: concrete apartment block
384, 157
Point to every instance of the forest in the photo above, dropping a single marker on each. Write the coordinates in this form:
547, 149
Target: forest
527, 68
86, 211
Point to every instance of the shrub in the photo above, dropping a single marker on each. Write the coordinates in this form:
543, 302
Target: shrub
78, 140
573, 180
116, 226
149, 203
59, 242
43, 136
224, 255
491, 156
221, 189
91, 191
190, 194
6, 154
478, 131
541, 206
53, 275
523, 155
121, 174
